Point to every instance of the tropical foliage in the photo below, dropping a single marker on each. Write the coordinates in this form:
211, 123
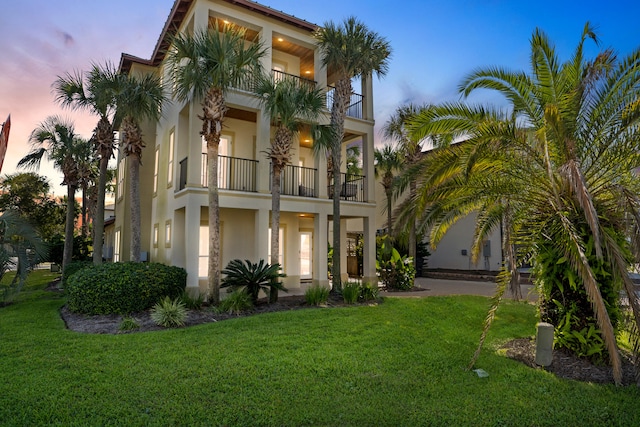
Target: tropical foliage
20, 250
95, 92
388, 161
204, 66
351, 50
55, 139
291, 106
139, 99
556, 170
253, 278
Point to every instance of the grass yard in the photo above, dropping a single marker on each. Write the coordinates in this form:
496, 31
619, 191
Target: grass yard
399, 363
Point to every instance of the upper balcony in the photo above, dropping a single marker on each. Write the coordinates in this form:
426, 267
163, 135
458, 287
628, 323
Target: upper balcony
237, 174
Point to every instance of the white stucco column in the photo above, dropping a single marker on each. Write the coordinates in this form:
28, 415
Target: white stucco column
263, 142
369, 250
343, 250
262, 224
368, 169
192, 245
320, 163
367, 93
320, 239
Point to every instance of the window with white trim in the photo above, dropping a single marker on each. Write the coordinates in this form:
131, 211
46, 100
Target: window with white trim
172, 137
116, 246
155, 172
167, 234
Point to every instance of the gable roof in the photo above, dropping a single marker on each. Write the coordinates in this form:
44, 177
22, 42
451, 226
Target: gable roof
177, 15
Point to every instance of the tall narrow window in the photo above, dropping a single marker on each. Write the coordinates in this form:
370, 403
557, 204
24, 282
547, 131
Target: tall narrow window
116, 246
167, 234
306, 251
172, 137
120, 183
155, 173
156, 233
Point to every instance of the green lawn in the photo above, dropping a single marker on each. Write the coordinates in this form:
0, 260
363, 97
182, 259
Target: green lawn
399, 363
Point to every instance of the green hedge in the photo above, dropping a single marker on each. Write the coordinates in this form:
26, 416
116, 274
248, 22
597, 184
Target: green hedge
123, 288
72, 268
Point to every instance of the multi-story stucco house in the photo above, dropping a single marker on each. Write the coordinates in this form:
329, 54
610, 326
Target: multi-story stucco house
174, 202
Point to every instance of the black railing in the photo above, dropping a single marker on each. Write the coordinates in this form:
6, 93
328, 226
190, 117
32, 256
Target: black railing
298, 181
355, 103
233, 173
351, 187
301, 81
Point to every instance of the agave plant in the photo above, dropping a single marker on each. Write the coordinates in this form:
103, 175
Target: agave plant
252, 278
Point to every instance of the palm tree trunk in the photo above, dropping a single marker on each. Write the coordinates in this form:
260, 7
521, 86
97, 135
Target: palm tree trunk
67, 252
98, 219
213, 291
341, 99
85, 219
275, 224
134, 193
412, 231
389, 195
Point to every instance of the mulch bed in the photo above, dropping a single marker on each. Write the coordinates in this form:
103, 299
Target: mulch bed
566, 365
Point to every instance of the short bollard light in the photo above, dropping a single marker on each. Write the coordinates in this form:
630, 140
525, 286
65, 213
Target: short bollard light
544, 344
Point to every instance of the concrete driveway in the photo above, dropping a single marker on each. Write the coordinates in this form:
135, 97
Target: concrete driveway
434, 287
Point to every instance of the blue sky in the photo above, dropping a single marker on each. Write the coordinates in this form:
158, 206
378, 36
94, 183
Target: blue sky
435, 44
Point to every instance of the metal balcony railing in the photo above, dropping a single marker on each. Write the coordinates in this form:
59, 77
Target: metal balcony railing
298, 181
280, 75
351, 187
355, 104
233, 173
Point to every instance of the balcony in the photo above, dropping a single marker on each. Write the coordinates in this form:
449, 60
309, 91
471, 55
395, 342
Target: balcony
355, 105
298, 181
352, 187
233, 173
301, 81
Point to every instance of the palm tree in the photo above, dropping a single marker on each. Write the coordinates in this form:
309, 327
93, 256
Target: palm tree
21, 248
140, 99
558, 171
350, 50
411, 148
205, 66
96, 93
387, 161
55, 138
291, 106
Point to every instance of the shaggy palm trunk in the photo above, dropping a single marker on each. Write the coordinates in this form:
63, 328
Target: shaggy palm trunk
214, 110
275, 223
134, 192
67, 252
85, 219
389, 194
341, 99
104, 147
412, 230
510, 260
132, 148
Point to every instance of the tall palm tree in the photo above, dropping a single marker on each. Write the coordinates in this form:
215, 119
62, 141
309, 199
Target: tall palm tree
350, 50
387, 160
558, 170
140, 99
395, 128
205, 66
87, 173
56, 140
94, 92
291, 106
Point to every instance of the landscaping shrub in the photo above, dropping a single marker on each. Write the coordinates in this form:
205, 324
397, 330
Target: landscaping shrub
395, 271
123, 288
73, 267
169, 313
253, 278
351, 292
316, 295
236, 303
192, 302
128, 324
369, 291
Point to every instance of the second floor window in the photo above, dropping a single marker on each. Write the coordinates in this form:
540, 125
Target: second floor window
172, 137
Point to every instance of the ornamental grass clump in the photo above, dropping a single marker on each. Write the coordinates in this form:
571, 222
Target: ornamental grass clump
169, 313
316, 295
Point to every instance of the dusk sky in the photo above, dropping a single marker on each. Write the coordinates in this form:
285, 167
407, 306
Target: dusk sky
435, 44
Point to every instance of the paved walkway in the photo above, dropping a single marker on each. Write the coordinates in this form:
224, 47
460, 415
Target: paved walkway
434, 287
